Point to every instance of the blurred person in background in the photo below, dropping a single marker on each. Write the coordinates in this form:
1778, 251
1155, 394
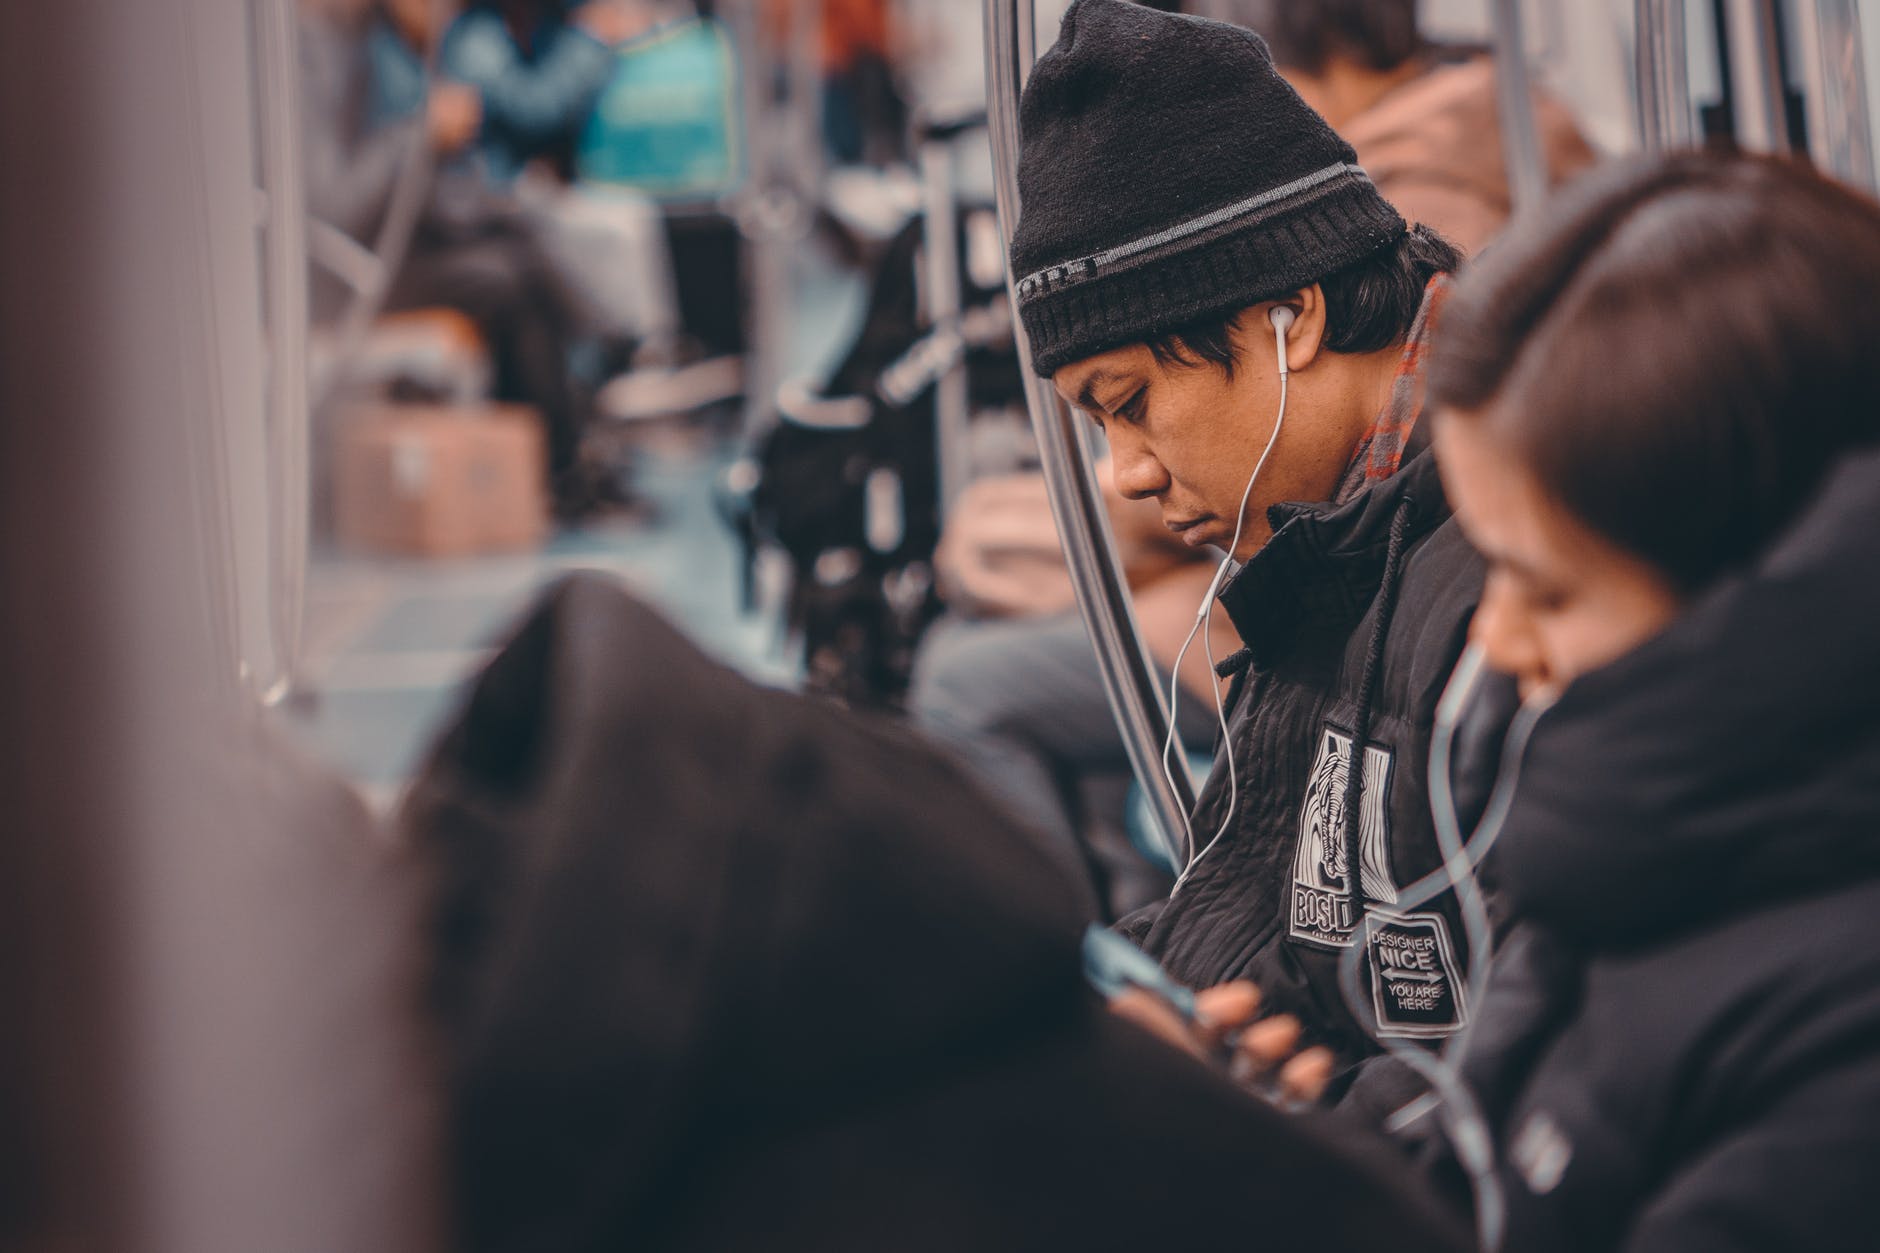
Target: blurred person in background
369, 97
1422, 118
864, 117
1424, 125
538, 66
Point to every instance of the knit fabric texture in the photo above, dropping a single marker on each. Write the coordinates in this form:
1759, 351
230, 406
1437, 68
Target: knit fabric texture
1167, 173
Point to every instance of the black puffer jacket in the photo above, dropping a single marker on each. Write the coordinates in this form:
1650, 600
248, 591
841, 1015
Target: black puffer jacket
1680, 1049
1353, 616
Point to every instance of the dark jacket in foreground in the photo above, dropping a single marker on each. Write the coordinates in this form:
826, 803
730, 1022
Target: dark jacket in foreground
1353, 616
720, 968
1680, 1049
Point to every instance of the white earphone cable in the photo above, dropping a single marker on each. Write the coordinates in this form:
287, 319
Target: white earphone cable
1204, 622
1468, 1130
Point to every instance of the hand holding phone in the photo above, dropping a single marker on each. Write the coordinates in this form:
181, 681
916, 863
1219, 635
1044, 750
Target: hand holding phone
1221, 1024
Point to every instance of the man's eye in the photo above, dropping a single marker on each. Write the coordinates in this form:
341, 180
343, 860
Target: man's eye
1131, 410
1533, 596
1544, 598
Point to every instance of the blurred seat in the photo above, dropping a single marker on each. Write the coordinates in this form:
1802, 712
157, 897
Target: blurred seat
434, 352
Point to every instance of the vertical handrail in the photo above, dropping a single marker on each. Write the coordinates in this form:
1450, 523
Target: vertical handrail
1665, 119
1129, 679
940, 246
1514, 100
772, 208
803, 49
285, 250
371, 279
1756, 91
1834, 85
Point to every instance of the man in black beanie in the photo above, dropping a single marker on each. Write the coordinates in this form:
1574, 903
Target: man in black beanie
1181, 207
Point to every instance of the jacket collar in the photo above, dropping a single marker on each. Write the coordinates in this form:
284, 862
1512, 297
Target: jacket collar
1324, 563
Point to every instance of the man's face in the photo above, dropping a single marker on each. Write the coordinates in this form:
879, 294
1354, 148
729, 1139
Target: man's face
1189, 436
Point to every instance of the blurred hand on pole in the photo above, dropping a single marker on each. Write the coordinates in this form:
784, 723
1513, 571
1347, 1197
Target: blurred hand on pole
613, 21
453, 115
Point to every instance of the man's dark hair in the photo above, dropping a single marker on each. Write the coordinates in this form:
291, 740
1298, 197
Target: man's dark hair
1677, 351
1368, 305
1307, 34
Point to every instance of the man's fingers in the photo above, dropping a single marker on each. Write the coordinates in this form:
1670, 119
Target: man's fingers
1270, 1042
1154, 1015
1304, 1077
1228, 1004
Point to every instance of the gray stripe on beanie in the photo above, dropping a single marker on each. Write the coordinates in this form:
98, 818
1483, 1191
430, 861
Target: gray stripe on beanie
1069, 273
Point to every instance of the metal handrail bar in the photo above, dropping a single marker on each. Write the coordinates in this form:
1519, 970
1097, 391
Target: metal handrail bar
1129, 678
1834, 85
1665, 118
403, 211
285, 254
775, 206
1756, 87
1514, 101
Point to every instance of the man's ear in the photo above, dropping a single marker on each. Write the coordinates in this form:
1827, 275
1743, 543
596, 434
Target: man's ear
1305, 338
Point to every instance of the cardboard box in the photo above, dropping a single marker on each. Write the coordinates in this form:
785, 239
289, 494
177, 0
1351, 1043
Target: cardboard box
440, 480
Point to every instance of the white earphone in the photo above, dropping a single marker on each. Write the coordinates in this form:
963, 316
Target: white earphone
1282, 319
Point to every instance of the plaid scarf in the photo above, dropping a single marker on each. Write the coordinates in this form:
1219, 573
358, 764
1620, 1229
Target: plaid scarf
1381, 450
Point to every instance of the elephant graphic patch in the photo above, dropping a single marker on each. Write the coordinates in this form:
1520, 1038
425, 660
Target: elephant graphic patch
1320, 909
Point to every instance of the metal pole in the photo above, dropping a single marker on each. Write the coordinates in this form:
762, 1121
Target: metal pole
771, 209
804, 72
1129, 678
278, 69
1520, 137
1665, 120
370, 274
1834, 85
941, 247
1750, 30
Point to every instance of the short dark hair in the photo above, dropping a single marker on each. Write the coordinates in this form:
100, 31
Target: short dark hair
1307, 34
1677, 350
1369, 304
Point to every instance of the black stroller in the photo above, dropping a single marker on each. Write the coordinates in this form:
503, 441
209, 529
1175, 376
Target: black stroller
848, 480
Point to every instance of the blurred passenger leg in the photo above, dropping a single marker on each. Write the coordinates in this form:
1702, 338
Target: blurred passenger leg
505, 286
609, 245
1022, 703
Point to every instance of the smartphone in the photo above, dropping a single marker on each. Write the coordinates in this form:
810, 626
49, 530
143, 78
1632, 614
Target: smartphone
1112, 963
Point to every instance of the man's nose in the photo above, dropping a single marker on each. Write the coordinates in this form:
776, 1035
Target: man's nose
1138, 474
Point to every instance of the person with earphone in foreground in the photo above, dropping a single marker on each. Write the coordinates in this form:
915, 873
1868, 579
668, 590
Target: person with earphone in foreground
1205, 271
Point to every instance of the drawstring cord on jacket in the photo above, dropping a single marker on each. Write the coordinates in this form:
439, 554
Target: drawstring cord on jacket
1386, 604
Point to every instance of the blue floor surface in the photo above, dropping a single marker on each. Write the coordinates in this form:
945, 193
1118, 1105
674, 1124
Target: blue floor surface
390, 642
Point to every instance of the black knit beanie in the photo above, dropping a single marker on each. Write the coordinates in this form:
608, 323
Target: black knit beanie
1168, 173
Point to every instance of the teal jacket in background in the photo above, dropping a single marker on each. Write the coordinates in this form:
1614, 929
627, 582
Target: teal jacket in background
531, 101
